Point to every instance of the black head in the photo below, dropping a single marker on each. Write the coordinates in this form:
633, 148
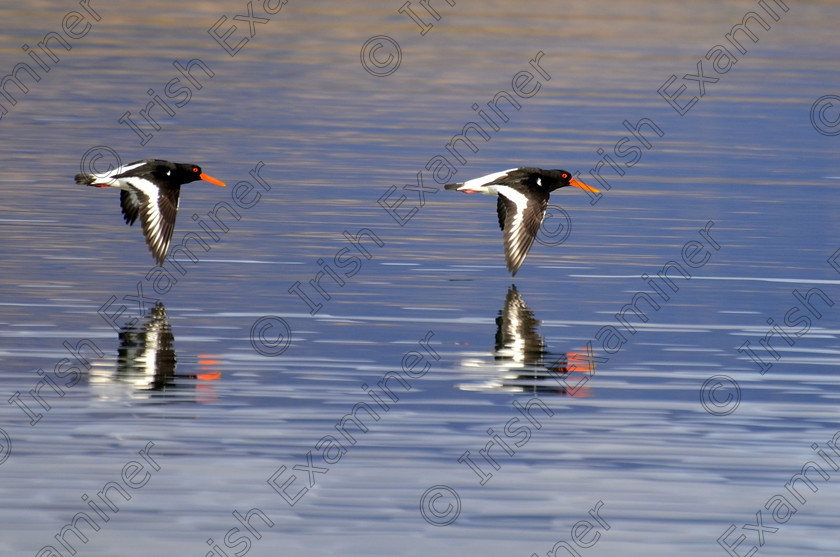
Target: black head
186, 173
564, 178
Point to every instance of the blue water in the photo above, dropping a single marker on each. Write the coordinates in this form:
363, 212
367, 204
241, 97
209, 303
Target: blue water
231, 377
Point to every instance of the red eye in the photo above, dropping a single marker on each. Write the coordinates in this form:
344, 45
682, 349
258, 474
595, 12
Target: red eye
195, 169
565, 175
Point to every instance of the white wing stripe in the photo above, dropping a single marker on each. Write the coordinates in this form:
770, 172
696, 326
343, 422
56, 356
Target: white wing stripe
518, 198
147, 187
479, 183
117, 171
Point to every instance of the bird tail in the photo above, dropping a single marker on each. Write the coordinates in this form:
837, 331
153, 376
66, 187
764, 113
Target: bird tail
462, 187
85, 179
95, 181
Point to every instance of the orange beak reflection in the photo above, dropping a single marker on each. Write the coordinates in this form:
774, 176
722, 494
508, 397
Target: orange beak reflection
212, 180
581, 185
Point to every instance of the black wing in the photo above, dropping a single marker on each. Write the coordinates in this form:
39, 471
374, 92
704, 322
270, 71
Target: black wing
520, 223
130, 205
158, 217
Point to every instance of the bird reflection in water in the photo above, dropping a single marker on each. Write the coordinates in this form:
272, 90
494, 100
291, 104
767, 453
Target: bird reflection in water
146, 357
522, 362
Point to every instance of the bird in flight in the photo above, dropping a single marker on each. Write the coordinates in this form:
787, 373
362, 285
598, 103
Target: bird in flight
522, 199
150, 190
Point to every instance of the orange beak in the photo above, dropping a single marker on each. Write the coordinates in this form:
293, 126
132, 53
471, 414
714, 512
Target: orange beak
581, 185
210, 179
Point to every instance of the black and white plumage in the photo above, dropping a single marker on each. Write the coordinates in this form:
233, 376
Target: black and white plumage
150, 190
522, 200
517, 339
146, 356
523, 363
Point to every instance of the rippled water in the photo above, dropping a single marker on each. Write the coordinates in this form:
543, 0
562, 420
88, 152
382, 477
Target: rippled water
235, 380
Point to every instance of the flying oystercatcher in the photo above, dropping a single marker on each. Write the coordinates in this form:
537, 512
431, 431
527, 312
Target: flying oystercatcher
150, 190
522, 199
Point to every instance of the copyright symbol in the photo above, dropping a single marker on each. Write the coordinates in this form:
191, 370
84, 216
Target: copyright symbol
5, 446
720, 395
381, 64
820, 121
270, 335
443, 513
556, 226
90, 160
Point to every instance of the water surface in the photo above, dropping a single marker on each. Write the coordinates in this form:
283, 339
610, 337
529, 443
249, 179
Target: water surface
627, 428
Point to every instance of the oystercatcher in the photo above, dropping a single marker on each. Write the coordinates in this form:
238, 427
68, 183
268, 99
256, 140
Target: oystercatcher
522, 198
150, 190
